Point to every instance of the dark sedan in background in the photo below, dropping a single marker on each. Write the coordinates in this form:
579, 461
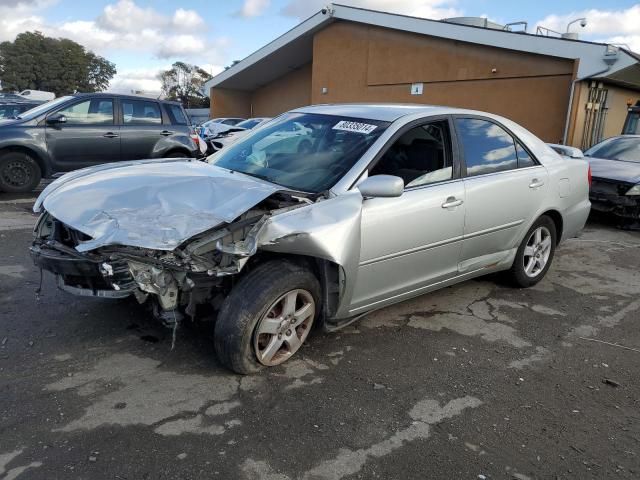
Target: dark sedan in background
615, 188
82, 130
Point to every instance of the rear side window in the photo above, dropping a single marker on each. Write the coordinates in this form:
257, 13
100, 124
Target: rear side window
98, 111
487, 147
140, 112
176, 114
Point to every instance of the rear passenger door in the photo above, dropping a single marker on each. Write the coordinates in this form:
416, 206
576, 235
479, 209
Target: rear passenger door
142, 128
504, 188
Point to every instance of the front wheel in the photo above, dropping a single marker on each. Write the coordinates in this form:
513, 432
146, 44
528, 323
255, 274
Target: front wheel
535, 253
267, 316
18, 173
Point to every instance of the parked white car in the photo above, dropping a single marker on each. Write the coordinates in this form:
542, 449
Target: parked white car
388, 202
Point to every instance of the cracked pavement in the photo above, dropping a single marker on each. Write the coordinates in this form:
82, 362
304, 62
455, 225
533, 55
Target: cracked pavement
476, 379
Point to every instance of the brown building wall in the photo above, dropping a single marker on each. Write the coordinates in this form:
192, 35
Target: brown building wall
285, 93
370, 64
226, 102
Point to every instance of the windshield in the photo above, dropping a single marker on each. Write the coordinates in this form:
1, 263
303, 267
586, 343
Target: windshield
248, 124
300, 151
617, 148
34, 112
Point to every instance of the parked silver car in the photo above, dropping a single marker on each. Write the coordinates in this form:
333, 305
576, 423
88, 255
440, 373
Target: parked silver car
389, 202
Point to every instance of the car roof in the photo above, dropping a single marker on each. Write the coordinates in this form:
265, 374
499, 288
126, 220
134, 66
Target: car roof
120, 95
384, 112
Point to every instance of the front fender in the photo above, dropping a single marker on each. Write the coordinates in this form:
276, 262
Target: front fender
329, 229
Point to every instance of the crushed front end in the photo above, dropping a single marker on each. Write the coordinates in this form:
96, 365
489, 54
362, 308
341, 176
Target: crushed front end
611, 197
198, 271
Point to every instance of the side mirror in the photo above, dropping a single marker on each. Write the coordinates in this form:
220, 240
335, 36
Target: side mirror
567, 150
56, 119
381, 186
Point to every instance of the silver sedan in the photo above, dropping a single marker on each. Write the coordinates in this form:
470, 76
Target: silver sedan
365, 206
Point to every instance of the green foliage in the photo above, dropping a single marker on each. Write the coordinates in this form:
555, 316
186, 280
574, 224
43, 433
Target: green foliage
59, 65
184, 83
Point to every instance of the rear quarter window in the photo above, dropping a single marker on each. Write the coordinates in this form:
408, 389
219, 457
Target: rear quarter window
176, 114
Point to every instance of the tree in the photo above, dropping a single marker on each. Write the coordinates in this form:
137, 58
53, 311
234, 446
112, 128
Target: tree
185, 83
59, 65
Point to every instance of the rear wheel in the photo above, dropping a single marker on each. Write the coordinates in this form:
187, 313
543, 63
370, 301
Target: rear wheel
535, 253
19, 172
267, 316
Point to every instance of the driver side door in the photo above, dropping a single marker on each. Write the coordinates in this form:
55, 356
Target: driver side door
88, 137
413, 241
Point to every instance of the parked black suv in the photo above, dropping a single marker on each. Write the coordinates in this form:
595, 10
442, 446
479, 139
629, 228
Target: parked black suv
80, 130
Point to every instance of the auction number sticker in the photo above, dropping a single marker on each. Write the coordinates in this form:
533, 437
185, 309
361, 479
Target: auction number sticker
356, 127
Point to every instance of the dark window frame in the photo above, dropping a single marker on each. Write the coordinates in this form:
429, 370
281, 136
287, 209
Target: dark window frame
516, 140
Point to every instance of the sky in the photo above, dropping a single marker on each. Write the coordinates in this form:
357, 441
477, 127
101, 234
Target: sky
144, 37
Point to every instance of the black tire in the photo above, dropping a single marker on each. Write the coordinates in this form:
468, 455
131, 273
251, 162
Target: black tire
248, 302
19, 172
518, 275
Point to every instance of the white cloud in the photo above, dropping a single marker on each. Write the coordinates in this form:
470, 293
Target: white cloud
610, 26
124, 28
187, 19
126, 16
146, 80
435, 9
253, 8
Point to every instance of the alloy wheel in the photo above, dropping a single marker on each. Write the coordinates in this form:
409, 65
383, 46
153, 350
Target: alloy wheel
537, 251
282, 330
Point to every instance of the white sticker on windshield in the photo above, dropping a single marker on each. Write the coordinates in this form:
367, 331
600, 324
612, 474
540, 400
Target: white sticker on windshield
354, 127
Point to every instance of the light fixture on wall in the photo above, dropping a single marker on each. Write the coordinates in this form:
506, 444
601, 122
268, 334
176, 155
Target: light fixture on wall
324, 90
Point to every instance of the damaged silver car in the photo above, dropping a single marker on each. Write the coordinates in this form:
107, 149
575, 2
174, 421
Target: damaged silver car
369, 205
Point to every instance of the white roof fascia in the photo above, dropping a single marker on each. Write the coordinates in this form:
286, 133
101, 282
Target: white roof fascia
310, 24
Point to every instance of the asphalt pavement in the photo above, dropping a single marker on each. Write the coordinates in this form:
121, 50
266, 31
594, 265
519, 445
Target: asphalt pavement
476, 381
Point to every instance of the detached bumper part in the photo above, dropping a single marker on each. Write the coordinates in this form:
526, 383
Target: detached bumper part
83, 276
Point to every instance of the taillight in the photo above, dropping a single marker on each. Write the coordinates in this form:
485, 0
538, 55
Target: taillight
589, 176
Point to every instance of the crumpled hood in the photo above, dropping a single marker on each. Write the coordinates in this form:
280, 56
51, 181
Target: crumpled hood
150, 204
615, 169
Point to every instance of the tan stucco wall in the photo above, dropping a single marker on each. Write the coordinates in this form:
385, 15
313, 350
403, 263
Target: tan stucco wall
617, 99
285, 93
363, 63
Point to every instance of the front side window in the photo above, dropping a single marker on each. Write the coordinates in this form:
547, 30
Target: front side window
307, 152
487, 147
140, 112
420, 156
98, 111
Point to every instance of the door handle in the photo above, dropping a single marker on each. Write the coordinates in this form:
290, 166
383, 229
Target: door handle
166, 133
452, 202
110, 135
535, 183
